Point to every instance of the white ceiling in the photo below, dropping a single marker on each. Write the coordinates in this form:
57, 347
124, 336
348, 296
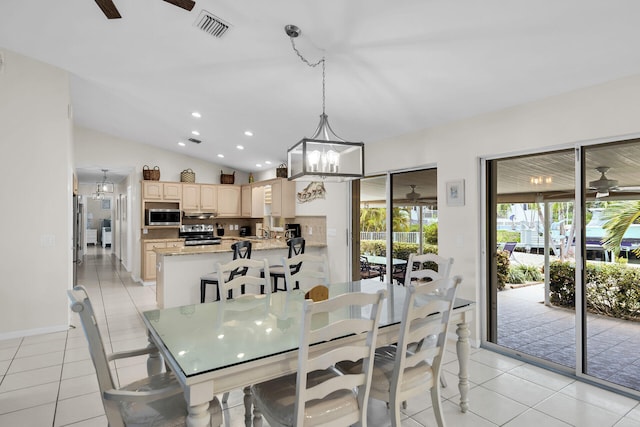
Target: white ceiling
392, 67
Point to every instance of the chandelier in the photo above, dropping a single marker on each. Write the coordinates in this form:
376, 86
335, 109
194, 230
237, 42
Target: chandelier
324, 156
103, 187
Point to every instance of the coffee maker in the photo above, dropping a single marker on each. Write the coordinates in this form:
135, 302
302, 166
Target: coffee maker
296, 231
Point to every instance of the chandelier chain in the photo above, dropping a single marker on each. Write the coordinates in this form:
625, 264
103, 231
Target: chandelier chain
313, 65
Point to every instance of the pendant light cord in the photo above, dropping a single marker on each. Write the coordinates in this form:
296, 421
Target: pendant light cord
315, 64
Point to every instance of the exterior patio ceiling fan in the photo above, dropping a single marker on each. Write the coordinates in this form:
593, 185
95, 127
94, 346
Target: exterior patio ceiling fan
413, 196
604, 185
111, 11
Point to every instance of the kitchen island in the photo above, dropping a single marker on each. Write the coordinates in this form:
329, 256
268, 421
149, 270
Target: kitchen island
178, 270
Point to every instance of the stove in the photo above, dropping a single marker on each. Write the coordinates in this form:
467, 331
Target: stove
198, 234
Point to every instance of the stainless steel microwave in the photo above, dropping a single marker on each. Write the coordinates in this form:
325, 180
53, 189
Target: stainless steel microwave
162, 217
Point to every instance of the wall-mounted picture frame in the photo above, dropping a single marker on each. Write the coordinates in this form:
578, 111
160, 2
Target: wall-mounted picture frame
106, 204
455, 192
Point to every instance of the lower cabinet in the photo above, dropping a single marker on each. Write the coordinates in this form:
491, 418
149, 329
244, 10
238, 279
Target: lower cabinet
148, 266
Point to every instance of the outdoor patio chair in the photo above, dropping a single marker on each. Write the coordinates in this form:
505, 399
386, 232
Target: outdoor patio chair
510, 247
367, 271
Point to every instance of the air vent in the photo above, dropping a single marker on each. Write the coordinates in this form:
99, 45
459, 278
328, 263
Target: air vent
211, 24
195, 141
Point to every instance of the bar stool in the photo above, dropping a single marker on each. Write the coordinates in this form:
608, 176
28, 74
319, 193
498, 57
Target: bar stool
296, 247
241, 249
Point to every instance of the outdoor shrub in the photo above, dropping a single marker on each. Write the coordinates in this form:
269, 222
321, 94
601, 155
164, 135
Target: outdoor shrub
400, 250
530, 273
611, 289
614, 290
562, 289
373, 247
503, 236
502, 260
516, 276
431, 233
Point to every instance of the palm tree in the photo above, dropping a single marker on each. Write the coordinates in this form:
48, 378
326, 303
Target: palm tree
619, 216
401, 219
373, 219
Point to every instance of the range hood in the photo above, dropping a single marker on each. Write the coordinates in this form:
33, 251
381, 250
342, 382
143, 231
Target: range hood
199, 214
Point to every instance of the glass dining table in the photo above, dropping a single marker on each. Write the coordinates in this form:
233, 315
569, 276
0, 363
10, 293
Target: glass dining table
227, 345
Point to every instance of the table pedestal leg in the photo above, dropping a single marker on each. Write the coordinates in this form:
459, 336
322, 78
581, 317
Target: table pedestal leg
257, 417
154, 362
199, 415
462, 349
247, 403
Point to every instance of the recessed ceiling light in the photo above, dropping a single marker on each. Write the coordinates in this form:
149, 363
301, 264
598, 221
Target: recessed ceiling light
268, 162
258, 165
195, 132
196, 114
248, 133
221, 155
240, 147
181, 144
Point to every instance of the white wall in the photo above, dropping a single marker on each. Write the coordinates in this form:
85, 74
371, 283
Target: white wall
603, 112
95, 149
36, 196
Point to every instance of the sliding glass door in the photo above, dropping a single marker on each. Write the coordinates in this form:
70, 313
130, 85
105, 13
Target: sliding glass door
563, 278
396, 215
612, 274
531, 215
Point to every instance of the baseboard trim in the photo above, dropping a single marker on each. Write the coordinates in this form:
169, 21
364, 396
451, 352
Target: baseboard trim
30, 332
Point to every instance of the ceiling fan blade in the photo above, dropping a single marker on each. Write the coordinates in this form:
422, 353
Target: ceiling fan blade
109, 9
185, 4
627, 188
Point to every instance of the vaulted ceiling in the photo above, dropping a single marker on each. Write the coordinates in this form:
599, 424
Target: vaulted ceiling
392, 67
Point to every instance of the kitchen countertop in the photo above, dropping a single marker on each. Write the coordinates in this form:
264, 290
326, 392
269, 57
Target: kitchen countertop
166, 239
225, 246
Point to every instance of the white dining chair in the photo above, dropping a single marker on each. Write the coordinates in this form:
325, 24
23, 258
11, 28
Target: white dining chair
400, 373
305, 271
422, 273
157, 400
317, 394
252, 282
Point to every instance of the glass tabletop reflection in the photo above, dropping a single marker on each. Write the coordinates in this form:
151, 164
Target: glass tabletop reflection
217, 335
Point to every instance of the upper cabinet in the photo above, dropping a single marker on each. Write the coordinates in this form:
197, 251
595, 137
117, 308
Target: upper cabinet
156, 190
229, 201
253, 201
200, 197
283, 198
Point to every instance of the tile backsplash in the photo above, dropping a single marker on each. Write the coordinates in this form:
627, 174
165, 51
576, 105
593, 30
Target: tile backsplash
314, 228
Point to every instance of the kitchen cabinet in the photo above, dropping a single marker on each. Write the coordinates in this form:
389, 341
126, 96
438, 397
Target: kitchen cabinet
253, 201
229, 201
148, 267
246, 200
209, 198
156, 190
199, 197
283, 198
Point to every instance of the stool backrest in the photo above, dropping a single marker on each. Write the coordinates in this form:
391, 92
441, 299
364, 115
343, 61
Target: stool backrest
242, 250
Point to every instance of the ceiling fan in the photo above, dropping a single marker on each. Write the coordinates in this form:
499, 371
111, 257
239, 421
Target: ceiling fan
111, 11
413, 196
604, 185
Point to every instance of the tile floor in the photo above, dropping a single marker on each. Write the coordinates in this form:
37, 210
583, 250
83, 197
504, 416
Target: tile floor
48, 380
